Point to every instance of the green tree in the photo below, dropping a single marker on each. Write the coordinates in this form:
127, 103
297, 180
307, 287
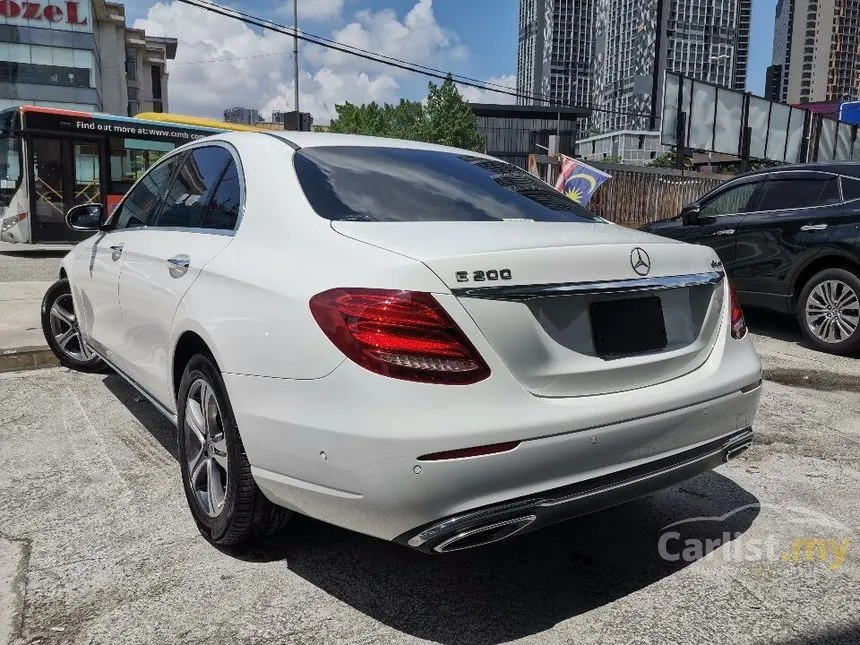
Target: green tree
369, 119
450, 120
446, 119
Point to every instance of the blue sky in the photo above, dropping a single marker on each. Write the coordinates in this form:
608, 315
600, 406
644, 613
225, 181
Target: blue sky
761, 43
221, 63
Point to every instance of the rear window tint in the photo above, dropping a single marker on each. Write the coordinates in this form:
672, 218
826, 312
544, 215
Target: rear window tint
403, 185
850, 189
790, 193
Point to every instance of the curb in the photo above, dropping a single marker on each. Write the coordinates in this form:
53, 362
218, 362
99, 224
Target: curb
26, 358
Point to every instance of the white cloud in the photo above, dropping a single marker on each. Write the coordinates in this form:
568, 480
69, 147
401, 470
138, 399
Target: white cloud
313, 10
475, 95
416, 38
221, 62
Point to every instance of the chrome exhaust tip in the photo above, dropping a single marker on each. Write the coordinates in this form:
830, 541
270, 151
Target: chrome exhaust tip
735, 451
484, 534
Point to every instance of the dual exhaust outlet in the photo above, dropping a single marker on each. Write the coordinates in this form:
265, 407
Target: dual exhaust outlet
503, 529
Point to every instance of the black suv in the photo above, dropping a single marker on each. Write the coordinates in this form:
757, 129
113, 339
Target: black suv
789, 239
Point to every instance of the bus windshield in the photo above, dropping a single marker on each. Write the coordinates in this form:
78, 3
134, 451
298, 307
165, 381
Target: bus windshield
10, 156
10, 167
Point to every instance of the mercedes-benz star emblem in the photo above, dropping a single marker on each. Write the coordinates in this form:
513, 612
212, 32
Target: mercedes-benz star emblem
640, 261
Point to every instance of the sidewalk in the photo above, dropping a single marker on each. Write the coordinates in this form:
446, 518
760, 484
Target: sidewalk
22, 343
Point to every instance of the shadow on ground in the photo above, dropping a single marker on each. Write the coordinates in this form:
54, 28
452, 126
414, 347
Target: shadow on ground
35, 253
511, 589
150, 418
502, 591
775, 325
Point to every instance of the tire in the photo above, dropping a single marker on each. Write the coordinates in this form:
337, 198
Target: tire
227, 505
828, 311
60, 326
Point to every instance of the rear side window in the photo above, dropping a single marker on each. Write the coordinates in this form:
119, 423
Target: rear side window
850, 189
790, 193
371, 184
189, 194
223, 210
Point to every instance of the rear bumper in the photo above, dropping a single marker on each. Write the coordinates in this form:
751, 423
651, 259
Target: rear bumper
346, 449
500, 521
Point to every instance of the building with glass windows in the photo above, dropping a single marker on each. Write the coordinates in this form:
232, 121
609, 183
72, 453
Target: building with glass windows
79, 54
816, 52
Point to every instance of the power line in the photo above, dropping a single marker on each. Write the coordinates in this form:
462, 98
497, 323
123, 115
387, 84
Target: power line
234, 58
387, 60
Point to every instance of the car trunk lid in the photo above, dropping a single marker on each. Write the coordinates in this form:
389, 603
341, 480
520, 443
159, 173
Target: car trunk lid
571, 309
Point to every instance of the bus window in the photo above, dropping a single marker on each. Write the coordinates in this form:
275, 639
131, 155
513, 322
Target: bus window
130, 158
87, 184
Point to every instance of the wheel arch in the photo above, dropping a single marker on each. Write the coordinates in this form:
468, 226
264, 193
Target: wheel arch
821, 263
188, 343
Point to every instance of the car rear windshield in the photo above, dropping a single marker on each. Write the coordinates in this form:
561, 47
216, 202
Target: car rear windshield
379, 184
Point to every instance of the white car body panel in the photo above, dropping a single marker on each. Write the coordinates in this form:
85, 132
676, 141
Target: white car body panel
297, 397
150, 290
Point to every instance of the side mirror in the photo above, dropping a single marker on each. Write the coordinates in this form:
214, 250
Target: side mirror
86, 217
690, 213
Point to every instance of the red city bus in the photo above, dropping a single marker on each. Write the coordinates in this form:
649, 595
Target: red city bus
52, 159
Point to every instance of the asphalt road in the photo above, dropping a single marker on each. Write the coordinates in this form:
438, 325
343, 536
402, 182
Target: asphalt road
97, 546
18, 265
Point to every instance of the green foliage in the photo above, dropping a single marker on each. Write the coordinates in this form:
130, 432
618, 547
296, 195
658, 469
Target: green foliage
446, 119
668, 160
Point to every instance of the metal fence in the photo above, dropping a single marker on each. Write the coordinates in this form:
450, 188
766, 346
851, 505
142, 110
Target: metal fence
637, 195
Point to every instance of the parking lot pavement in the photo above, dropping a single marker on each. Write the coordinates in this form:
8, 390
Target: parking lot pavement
108, 553
31, 264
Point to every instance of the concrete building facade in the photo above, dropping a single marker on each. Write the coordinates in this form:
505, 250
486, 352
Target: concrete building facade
636, 41
244, 115
611, 55
80, 55
633, 147
555, 51
816, 51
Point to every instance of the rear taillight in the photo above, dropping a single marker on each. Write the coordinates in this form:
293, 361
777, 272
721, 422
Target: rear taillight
401, 334
739, 324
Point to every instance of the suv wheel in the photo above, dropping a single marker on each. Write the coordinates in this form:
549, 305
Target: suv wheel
226, 503
829, 311
60, 326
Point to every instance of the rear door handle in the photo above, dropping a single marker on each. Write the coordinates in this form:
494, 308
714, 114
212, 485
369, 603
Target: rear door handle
813, 227
178, 265
726, 231
116, 251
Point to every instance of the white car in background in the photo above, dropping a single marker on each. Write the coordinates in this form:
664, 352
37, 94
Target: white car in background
420, 343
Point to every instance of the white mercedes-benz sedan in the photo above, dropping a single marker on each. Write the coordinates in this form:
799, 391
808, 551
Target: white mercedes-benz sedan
419, 343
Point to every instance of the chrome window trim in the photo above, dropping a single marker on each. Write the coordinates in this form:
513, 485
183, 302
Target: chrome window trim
189, 148
602, 287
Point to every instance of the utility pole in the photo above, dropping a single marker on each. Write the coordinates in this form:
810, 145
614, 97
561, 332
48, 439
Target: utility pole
296, 51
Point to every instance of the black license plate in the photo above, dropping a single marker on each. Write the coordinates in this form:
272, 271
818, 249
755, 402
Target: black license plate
627, 326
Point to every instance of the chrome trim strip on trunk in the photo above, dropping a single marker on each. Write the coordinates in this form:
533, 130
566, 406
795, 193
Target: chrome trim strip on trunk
603, 287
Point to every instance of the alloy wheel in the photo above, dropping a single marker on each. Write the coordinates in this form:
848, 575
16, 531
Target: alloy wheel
206, 448
65, 330
833, 311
